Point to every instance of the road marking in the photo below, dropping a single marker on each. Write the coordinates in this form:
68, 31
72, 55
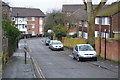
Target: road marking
39, 71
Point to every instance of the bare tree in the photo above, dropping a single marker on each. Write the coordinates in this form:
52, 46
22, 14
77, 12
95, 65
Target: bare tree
92, 12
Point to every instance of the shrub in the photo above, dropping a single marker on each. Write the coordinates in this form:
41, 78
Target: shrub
12, 33
60, 31
71, 42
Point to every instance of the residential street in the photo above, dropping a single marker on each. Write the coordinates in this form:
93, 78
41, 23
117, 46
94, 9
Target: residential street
59, 64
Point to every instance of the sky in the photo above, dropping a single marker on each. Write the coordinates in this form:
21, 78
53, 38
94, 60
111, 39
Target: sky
47, 5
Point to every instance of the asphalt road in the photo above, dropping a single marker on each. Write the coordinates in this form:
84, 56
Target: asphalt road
59, 64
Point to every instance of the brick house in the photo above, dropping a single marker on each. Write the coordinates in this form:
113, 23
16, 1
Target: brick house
102, 21
108, 19
116, 24
77, 12
69, 10
29, 20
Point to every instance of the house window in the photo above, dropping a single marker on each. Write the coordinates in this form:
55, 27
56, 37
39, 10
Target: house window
33, 33
85, 25
40, 26
40, 32
33, 25
97, 20
33, 18
40, 18
25, 19
26, 32
105, 21
96, 33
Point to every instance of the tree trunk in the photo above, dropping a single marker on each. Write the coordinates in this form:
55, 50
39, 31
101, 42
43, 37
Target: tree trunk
91, 28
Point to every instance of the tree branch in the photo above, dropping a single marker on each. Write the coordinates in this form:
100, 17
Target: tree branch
101, 4
85, 5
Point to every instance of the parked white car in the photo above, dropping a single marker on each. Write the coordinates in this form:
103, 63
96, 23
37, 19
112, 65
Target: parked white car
56, 45
84, 51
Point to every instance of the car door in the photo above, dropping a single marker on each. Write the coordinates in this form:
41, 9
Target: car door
76, 51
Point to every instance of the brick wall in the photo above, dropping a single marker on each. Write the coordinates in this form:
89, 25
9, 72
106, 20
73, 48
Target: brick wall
112, 49
36, 23
115, 22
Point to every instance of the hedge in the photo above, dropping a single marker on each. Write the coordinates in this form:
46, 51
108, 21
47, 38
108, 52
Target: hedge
71, 42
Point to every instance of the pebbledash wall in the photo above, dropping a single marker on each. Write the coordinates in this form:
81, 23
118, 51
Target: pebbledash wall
112, 49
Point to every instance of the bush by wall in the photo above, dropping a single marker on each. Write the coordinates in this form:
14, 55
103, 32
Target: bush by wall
12, 33
71, 42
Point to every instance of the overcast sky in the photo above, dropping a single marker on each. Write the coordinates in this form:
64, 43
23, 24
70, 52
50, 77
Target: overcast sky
46, 5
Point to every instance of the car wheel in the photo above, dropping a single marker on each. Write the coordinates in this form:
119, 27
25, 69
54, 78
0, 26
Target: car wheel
62, 49
73, 56
78, 58
95, 59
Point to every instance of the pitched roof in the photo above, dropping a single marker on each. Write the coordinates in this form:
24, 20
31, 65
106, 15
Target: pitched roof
110, 10
81, 14
27, 12
71, 7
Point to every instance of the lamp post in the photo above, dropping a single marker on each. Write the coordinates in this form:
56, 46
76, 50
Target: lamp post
105, 45
17, 26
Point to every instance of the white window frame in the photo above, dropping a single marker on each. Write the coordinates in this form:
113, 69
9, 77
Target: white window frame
41, 32
40, 26
33, 25
33, 32
40, 18
105, 21
97, 20
85, 25
33, 18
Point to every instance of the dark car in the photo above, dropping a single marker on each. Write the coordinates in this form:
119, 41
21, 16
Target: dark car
47, 41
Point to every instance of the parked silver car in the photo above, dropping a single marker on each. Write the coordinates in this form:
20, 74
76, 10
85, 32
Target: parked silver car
56, 45
84, 51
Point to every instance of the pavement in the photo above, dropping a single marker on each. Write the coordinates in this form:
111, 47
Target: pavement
106, 64
17, 68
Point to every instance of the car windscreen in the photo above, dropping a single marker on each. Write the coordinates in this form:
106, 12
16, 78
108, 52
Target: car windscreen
48, 40
86, 48
56, 42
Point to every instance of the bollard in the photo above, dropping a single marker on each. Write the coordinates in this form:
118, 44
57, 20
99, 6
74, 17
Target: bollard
25, 50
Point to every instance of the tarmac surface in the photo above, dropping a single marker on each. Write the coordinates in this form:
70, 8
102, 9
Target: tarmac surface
16, 67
